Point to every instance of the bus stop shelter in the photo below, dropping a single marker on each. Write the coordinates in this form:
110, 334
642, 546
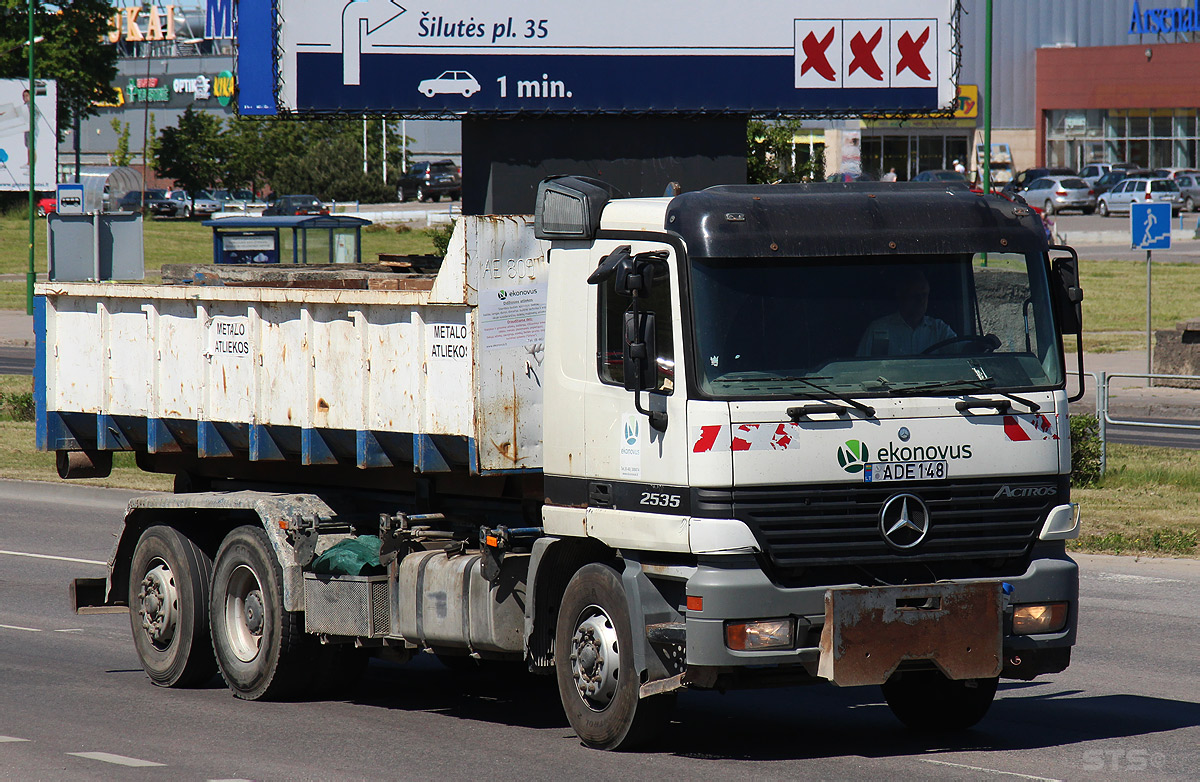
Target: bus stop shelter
256, 239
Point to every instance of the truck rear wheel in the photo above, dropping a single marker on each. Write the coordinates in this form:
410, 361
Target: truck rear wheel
261, 649
594, 665
169, 580
928, 701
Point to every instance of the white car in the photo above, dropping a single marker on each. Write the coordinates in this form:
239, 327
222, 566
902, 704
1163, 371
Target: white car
1142, 190
450, 83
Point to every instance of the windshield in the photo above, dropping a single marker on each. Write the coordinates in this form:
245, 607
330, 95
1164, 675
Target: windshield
873, 326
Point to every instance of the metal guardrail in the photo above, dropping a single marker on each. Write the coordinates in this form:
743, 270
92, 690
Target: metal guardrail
1102, 382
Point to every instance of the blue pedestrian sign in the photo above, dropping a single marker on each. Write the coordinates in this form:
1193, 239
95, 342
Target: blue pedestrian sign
1150, 226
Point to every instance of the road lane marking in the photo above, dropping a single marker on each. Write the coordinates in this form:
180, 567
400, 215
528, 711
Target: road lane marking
119, 760
1126, 578
71, 630
51, 556
983, 770
10, 739
26, 629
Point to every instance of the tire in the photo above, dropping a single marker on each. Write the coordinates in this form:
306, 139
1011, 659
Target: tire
927, 701
428, 92
1048, 207
169, 579
1190, 204
456, 195
1103, 209
41, 211
187, 212
261, 649
593, 640
422, 195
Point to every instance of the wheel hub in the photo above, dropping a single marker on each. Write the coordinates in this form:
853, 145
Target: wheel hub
245, 613
595, 658
158, 605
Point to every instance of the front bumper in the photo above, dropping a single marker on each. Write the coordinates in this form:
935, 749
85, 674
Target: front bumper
741, 591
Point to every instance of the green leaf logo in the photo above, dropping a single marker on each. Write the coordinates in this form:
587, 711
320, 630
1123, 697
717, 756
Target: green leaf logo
852, 456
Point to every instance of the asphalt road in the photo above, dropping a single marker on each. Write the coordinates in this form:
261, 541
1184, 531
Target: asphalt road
77, 705
16, 360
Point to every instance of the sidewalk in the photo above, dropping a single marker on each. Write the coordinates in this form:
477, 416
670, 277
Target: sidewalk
16, 328
1131, 397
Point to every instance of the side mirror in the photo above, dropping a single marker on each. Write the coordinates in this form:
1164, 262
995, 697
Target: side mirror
1068, 294
1068, 303
640, 352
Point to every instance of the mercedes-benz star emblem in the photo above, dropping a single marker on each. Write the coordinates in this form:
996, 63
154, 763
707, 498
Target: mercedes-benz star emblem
904, 521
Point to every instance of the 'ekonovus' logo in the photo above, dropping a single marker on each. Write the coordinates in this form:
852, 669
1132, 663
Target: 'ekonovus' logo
852, 456
631, 432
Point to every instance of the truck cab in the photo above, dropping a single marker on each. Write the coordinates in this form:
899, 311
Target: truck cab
823, 413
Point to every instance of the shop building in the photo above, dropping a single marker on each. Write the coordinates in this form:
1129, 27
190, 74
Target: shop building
1074, 81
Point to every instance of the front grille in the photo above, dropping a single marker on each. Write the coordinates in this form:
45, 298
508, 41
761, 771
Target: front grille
806, 526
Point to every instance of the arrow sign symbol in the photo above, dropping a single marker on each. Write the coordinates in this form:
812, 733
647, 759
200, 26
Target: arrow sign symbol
361, 18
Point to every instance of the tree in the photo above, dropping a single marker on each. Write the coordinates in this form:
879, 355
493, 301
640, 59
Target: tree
770, 150
189, 152
74, 52
122, 156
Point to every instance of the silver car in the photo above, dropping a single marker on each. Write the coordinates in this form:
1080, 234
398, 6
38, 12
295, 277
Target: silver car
1189, 189
1055, 193
1143, 190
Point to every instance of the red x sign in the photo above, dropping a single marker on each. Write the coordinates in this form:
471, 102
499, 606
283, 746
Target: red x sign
864, 55
910, 55
816, 55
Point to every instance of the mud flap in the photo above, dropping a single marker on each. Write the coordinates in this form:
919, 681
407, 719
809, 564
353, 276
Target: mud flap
869, 631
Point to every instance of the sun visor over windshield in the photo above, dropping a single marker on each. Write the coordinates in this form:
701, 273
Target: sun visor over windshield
851, 219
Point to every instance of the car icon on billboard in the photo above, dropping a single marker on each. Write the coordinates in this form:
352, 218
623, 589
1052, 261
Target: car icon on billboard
450, 83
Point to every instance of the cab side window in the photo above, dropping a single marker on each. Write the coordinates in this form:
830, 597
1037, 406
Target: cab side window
610, 345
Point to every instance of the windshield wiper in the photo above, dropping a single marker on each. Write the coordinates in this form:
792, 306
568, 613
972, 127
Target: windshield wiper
985, 385
857, 405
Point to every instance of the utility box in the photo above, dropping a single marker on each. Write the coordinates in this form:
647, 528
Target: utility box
97, 246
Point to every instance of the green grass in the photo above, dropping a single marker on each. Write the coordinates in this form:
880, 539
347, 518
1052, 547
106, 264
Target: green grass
1114, 304
175, 241
1146, 503
20, 461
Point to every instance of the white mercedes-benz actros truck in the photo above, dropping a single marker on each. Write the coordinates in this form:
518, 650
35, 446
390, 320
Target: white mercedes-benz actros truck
750, 436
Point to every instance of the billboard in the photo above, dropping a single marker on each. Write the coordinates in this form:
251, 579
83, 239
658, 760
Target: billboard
623, 56
15, 139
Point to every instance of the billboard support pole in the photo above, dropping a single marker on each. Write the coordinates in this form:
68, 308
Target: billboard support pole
29, 275
987, 98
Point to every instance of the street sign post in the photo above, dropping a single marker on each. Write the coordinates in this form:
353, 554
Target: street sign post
1149, 229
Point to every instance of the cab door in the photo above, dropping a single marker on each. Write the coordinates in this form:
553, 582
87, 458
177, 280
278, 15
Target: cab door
637, 494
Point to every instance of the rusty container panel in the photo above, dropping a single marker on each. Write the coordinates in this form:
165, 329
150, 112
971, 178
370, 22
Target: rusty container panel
460, 356
869, 631
509, 291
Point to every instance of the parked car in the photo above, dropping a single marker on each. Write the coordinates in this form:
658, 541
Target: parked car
154, 201
1106, 182
1142, 190
46, 206
239, 200
1093, 171
1173, 172
1056, 193
296, 205
198, 203
940, 175
846, 176
1022, 180
1189, 190
430, 180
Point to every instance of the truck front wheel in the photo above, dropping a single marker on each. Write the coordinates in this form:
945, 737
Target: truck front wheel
261, 649
168, 608
594, 665
928, 701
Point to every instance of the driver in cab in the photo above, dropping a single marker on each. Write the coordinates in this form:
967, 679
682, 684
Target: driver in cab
907, 331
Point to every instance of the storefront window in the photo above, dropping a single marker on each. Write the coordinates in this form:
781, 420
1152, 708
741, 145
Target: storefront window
1148, 138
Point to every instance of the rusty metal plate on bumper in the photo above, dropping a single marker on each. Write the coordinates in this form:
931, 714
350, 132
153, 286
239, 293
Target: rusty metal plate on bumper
869, 631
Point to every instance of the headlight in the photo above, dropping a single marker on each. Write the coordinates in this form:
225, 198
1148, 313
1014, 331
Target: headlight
1047, 618
763, 634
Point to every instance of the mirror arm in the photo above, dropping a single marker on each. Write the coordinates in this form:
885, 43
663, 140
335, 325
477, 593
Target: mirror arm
658, 419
